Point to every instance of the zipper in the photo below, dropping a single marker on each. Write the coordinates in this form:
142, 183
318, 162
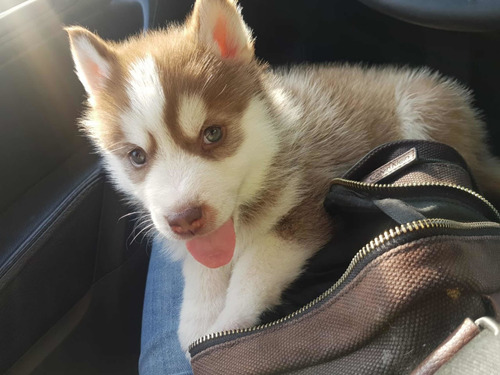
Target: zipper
369, 248
374, 187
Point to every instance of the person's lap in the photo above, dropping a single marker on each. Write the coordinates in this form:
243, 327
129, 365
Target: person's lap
160, 348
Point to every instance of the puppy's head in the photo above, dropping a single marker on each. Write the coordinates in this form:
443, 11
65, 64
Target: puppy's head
180, 118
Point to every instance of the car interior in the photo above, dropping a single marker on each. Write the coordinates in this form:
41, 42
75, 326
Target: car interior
73, 264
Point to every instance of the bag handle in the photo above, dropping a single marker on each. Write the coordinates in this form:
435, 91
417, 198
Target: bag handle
472, 349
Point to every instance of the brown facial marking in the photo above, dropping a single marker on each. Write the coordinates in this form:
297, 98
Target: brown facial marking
226, 89
152, 146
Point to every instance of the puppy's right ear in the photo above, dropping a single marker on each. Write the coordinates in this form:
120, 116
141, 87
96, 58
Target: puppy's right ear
93, 58
220, 26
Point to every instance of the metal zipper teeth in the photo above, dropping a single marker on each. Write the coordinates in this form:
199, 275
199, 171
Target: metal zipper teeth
365, 185
360, 255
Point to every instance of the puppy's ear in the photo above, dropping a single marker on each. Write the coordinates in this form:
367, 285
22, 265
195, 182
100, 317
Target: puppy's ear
93, 58
219, 25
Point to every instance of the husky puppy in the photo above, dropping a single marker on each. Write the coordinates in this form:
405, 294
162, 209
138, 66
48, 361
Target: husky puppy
232, 160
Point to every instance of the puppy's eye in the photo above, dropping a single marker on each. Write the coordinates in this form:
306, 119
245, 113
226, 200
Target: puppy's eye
212, 134
137, 157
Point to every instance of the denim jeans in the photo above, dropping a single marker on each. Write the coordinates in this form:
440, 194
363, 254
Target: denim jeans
160, 349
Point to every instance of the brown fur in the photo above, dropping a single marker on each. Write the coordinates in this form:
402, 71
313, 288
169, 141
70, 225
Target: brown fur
360, 116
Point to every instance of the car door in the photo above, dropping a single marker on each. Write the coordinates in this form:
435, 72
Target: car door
71, 276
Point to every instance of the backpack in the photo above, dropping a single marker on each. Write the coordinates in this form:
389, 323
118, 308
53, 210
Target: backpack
416, 254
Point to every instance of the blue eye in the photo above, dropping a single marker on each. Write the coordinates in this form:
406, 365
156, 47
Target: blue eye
212, 134
137, 157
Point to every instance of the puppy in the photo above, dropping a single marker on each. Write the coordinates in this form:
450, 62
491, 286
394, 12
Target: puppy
232, 160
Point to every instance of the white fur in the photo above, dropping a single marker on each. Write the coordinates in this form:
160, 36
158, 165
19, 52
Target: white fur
235, 295
290, 112
229, 297
410, 105
120, 178
258, 148
192, 113
143, 116
412, 125
275, 263
147, 102
204, 288
179, 179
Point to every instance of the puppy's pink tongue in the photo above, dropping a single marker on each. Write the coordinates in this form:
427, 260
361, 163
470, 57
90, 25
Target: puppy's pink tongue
215, 249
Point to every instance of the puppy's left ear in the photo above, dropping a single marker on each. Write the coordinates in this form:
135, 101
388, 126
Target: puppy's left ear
93, 59
219, 26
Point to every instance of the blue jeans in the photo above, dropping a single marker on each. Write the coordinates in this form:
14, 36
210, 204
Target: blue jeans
160, 349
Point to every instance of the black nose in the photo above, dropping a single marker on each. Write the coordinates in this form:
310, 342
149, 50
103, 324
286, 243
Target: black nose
187, 221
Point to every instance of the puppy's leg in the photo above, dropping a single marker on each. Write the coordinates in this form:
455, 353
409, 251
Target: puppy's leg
203, 299
259, 276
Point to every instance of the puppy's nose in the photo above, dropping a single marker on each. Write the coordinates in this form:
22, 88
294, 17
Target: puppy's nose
187, 221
